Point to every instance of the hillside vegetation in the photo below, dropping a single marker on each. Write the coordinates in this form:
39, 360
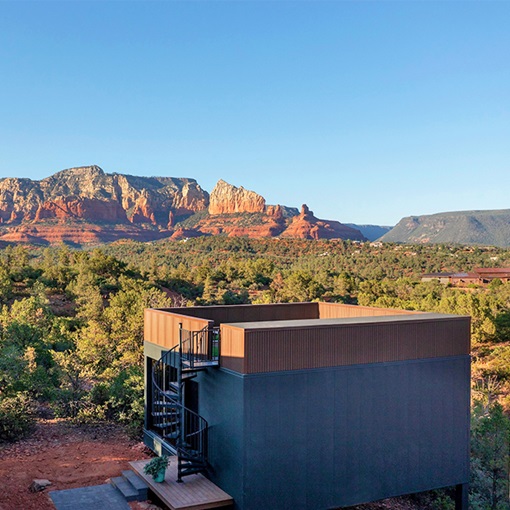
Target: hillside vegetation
491, 228
71, 321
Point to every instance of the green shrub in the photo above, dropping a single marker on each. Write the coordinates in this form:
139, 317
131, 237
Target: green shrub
67, 403
126, 402
91, 413
17, 416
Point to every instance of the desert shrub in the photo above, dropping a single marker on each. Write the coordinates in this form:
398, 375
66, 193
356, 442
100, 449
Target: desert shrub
17, 416
126, 401
91, 413
67, 403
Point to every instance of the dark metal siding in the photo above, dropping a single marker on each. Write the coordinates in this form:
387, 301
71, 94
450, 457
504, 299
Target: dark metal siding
347, 435
221, 403
274, 350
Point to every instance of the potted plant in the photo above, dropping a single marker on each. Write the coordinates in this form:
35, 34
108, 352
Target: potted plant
156, 468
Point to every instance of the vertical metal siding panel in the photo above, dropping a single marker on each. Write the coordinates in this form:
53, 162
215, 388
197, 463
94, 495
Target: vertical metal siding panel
369, 432
162, 328
250, 313
233, 348
340, 310
318, 346
269, 350
222, 405
147, 323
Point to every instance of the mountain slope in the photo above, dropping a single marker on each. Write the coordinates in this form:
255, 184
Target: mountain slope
462, 227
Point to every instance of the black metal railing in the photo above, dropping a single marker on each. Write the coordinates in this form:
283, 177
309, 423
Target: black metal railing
183, 430
166, 396
192, 442
201, 346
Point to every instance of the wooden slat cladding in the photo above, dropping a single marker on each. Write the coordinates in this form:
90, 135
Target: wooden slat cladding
297, 348
162, 328
250, 313
340, 311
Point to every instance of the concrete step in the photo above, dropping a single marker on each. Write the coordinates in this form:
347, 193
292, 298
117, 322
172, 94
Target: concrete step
126, 489
137, 483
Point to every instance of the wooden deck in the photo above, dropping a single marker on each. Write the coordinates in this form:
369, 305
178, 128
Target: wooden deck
195, 493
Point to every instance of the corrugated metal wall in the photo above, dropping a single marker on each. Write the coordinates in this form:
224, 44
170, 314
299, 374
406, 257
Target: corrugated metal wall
282, 311
160, 324
251, 313
337, 437
339, 311
270, 350
334, 437
162, 328
221, 402
232, 354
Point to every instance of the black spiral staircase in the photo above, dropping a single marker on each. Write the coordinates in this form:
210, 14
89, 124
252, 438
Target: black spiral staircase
183, 430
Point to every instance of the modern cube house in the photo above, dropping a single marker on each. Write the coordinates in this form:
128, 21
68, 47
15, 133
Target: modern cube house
311, 405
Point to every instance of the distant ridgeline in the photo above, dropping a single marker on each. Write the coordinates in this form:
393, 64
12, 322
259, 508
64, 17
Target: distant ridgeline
86, 205
462, 227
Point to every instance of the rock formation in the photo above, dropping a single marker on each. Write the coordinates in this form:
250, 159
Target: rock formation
91, 209
88, 195
86, 205
228, 199
82, 190
307, 226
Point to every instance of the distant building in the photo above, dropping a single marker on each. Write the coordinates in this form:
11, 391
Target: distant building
310, 406
479, 276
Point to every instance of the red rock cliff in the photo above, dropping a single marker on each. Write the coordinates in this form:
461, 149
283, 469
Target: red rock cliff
307, 226
228, 199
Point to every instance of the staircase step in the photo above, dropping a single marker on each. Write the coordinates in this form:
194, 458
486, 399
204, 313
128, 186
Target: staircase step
172, 435
166, 403
174, 386
186, 456
137, 483
193, 471
166, 414
125, 487
193, 465
171, 425
170, 394
161, 425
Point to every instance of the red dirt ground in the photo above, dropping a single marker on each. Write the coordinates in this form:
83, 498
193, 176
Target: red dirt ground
69, 456
77, 456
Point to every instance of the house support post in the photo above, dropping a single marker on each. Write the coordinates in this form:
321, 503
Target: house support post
461, 496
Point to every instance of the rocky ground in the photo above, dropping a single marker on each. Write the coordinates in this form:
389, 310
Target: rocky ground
69, 456
77, 456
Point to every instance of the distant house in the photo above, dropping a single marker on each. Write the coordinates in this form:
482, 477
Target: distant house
310, 406
479, 276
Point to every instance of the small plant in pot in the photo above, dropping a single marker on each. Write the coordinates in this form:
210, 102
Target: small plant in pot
156, 468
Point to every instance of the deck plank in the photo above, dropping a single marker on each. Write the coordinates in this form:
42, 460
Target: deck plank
195, 493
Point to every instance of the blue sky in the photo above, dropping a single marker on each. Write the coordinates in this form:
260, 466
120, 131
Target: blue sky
366, 111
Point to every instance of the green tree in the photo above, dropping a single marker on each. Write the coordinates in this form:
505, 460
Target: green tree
490, 458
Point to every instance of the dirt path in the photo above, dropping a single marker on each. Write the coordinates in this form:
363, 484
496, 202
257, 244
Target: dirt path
68, 456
